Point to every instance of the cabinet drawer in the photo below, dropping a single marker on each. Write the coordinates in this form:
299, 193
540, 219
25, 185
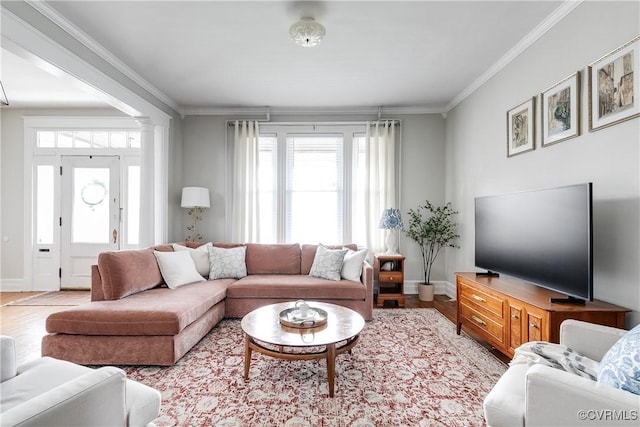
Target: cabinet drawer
482, 299
390, 276
479, 320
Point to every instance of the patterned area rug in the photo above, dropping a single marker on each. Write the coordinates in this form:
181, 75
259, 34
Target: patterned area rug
409, 369
62, 298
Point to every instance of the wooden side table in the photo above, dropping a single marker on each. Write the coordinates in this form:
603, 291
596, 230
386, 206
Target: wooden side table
389, 275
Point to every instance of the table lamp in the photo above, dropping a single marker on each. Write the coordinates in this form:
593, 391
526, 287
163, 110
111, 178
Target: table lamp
391, 220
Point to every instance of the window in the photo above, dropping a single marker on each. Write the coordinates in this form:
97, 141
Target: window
87, 139
310, 184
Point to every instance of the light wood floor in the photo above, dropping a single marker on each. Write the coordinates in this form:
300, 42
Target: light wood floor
27, 323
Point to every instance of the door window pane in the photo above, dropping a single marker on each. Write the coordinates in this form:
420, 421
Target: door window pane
46, 139
90, 205
100, 139
118, 139
82, 139
133, 205
44, 202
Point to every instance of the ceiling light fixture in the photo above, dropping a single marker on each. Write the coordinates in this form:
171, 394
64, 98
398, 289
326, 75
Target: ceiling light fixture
307, 32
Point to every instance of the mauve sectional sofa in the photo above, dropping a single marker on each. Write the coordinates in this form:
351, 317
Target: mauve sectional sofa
134, 319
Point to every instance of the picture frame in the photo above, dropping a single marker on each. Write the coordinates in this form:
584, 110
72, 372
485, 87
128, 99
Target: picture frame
614, 86
521, 128
560, 110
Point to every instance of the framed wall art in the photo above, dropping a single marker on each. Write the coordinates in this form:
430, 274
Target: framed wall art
520, 128
614, 86
561, 110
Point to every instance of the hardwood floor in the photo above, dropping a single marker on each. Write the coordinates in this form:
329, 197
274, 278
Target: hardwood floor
27, 323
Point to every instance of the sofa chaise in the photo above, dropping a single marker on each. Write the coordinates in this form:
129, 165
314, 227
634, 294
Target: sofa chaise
135, 319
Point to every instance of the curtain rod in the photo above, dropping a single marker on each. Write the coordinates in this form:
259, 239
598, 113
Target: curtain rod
396, 122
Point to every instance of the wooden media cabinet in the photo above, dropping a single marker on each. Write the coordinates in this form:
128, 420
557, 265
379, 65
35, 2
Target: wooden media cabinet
507, 312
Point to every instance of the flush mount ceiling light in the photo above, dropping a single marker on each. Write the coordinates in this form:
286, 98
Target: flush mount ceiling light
307, 32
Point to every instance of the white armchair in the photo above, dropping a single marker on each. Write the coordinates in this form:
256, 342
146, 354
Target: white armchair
542, 396
54, 392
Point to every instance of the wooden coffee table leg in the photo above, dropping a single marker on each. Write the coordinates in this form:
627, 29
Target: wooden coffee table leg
331, 367
247, 355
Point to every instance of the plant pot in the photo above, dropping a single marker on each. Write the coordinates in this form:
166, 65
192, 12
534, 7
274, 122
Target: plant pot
425, 291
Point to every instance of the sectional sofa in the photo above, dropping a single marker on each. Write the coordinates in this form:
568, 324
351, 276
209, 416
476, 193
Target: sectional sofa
134, 318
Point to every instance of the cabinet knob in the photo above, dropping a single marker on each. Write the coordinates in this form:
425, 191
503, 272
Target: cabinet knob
479, 320
477, 298
514, 315
533, 325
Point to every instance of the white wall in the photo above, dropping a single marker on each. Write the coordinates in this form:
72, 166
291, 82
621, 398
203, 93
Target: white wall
422, 171
610, 158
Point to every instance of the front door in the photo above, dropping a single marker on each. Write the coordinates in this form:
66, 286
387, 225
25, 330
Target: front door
90, 221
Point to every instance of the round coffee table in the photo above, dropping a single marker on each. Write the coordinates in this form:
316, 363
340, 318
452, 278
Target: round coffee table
262, 326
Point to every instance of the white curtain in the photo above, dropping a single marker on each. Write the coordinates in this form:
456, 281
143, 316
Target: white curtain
245, 212
380, 181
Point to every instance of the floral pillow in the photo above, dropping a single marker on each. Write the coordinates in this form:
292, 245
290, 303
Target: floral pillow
620, 366
327, 263
227, 263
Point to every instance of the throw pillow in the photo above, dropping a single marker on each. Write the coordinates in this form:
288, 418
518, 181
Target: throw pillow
200, 256
327, 263
227, 262
352, 266
177, 268
620, 366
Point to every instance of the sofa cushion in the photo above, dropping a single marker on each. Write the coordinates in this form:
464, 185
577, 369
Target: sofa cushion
620, 366
352, 265
160, 311
200, 256
125, 273
308, 254
273, 259
177, 268
327, 263
227, 263
295, 287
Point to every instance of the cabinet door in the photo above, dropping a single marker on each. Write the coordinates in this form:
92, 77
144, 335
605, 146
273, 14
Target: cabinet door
515, 320
535, 325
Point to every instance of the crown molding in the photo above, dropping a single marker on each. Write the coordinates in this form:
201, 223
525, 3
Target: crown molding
317, 111
556, 16
75, 32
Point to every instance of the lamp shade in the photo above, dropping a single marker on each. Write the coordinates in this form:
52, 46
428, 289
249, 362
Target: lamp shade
391, 219
195, 197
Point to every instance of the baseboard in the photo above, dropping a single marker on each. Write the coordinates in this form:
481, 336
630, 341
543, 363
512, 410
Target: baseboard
12, 285
443, 287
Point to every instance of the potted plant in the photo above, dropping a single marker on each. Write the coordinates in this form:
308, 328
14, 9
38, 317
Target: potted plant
432, 228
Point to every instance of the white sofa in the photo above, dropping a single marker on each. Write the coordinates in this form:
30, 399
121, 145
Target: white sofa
51, 392
543, 396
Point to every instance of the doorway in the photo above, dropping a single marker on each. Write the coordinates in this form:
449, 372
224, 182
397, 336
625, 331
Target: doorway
91, 215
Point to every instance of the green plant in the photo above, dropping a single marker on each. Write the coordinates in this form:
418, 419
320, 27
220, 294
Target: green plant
432, 228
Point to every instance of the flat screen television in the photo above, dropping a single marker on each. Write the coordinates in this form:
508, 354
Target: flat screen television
542, 236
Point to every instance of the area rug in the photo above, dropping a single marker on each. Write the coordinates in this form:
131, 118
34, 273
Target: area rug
409, 369
62, 298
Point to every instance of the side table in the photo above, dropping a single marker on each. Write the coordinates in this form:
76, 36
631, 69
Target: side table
389, 275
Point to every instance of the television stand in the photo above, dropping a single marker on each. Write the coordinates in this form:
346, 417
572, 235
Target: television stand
488, 273
567, 300
508, 312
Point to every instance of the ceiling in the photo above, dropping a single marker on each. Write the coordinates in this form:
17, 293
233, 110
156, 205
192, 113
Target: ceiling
238, 54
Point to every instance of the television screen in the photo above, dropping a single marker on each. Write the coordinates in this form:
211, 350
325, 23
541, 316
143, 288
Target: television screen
541, 236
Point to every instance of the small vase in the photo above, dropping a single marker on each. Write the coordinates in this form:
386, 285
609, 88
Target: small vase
425, 291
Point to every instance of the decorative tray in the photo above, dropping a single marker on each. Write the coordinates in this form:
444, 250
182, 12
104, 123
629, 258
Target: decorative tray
291, 317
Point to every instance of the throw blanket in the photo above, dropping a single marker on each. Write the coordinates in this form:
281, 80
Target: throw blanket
556, 356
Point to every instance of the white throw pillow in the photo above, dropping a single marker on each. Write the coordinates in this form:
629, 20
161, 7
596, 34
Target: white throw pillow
327, 263
200, 256
177, 268
352, 265
227, 263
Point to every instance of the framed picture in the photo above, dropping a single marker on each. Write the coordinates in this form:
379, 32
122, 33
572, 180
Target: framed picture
561, 110
614, 86
520, 128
